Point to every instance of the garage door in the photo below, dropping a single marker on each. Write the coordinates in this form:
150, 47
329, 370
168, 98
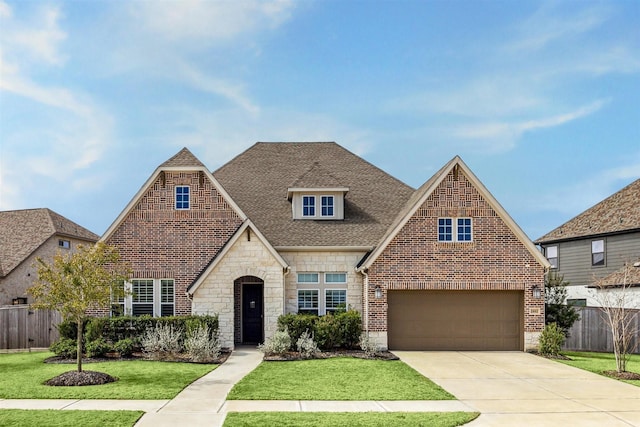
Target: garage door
456, 320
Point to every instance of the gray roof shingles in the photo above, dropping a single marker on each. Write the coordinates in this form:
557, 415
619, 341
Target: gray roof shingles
617, 213
258, 180
24, 231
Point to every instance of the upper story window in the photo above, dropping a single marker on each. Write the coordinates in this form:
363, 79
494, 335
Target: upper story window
455, 230
552, 255
309, 206
64, 244
183, 197
327, 205
597, 252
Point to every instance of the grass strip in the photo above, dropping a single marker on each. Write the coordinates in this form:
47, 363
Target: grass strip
23, 375
336, 379
600, 362
56, 418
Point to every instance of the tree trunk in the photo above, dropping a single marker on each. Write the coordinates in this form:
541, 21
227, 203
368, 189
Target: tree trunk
79, 348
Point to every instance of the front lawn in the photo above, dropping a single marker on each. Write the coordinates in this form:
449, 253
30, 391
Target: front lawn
24, 373
349, 419
336, 379
57, 418
599, 362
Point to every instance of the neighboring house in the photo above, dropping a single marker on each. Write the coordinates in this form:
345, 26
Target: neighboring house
595, 244
26, 235
311, 227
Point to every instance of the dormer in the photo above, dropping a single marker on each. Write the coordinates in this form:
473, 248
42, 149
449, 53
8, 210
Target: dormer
317, 195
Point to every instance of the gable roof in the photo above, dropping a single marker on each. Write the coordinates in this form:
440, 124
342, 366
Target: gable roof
24, 231
184, 160
617, 213
420, 196
247, 224
259, 179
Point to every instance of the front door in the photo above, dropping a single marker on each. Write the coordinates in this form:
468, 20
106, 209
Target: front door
252, 326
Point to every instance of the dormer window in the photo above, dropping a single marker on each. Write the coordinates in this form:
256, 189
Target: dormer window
309, 206
327, 205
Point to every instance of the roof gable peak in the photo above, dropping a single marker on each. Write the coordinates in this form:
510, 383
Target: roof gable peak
183, 158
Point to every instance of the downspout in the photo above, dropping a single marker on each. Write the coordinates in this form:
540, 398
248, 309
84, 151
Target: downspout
286, 270
365, 289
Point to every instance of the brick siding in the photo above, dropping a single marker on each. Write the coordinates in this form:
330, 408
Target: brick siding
160, 242
494, 260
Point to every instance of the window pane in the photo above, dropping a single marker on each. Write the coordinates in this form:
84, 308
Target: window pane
552, 252
597, 259
182, 197
142, 291
167, 291
464, 229
335, 298
307, 277
307, 299
335, 278
445, 230
327, 205
308, 206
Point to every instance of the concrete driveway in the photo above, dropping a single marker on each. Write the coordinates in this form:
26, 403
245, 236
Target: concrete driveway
514, 388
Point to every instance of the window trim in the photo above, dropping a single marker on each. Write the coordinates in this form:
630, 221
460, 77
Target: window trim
323, 206
311, 197
182, 201
64, 244
317, 308
602, 263
308, 283
333, 282
557, 257
455, 229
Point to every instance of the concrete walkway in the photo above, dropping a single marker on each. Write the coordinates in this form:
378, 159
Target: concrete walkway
522, 389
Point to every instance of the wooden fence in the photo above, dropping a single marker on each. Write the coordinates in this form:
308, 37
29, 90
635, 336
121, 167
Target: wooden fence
592, 333
21, 327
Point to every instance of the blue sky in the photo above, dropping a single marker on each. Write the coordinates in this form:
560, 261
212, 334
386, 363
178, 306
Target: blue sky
540, 99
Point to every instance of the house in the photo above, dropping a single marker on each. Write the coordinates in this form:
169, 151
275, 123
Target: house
311, 227
26, 235
595, 244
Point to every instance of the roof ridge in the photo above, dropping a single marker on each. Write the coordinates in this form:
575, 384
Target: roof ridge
184, 157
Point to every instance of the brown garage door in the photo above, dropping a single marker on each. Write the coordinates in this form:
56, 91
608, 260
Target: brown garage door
456, 320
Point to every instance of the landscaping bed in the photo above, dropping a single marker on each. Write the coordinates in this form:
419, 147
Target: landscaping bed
358, 354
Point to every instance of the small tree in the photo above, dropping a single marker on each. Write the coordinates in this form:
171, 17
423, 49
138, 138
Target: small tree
556, 311
613, 296
76, 282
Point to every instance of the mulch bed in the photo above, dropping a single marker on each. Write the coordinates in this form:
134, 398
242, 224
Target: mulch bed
184, 358
359, 354
75, 378
622, 375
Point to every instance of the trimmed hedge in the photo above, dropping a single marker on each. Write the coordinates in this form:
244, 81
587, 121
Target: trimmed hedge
340, 330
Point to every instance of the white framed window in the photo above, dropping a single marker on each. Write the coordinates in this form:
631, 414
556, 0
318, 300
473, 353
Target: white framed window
308, 278
153, 297
326, 205
455, 229
183, 197
308, 301
167, 297
64, 244
335, 277
118, 302
597, 253
551, 253
142, 297
335, 299
308, 205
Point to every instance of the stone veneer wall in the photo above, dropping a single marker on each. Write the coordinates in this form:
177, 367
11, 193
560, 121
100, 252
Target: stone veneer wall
216, 293
323, 262
160, 242
494, 260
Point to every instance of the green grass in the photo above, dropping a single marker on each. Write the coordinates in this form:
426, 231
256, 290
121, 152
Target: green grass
336, 379
599, 362
23, 375
348, 419
56, 418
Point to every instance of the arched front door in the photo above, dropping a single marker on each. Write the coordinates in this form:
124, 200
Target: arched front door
251, 309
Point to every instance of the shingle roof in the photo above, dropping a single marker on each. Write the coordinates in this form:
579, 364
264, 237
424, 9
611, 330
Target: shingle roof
628, 275
316, 177
183, 158
24, 231
258, 180
617, 213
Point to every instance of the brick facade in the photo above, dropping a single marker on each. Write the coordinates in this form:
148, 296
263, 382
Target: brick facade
160, 242
495, 260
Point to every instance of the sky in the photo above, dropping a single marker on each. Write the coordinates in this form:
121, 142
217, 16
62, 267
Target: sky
540, 99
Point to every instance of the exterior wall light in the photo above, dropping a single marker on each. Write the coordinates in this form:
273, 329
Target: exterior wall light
536, 292
378, 292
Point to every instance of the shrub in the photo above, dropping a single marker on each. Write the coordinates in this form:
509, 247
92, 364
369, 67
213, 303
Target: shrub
349, 328
306, 345
68, 329
327, 332
297, 324
201, 345
280, 342
98, 348
368, 345
65, 347
551, 339
125, 347
95, 328
161, 342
